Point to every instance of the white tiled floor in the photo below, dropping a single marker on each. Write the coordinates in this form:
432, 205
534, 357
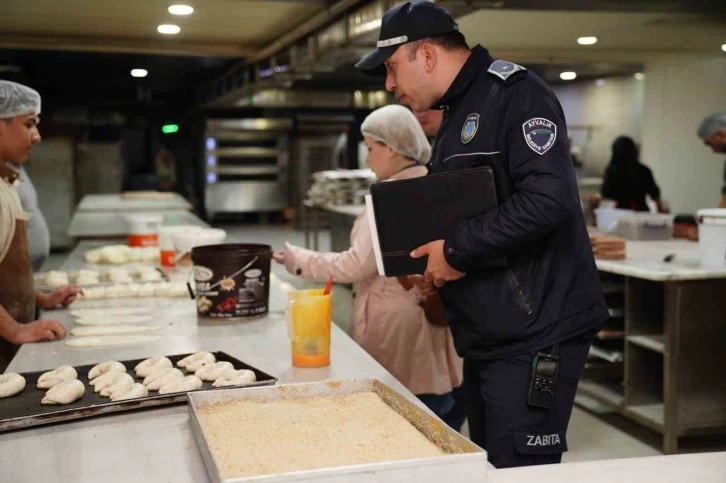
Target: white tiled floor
594, 434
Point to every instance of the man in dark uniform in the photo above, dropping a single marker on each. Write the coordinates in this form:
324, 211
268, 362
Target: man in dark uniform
523, 326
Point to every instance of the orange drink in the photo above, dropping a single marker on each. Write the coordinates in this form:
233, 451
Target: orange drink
308, 326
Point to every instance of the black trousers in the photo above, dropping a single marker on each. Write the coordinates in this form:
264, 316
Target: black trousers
502, 422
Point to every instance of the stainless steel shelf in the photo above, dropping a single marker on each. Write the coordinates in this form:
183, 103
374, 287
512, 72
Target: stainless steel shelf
244, 152
610, 356
602, 392
245, 170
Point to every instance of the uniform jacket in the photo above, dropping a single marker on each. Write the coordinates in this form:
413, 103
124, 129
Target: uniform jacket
387, 320
550, 289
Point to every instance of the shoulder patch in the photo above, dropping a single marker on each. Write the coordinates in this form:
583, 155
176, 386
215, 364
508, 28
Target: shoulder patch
540, 134
504, 69
470, 127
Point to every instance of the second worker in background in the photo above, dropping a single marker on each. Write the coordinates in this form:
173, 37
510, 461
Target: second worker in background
525, 330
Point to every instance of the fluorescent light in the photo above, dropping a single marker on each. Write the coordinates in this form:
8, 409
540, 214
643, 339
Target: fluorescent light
587, 40
168, 29
568, 76
139, 72
600, 82
639, 76
723, 47
181, 10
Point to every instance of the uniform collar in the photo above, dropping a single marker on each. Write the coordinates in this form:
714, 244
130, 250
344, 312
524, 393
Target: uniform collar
478, 60
8, 174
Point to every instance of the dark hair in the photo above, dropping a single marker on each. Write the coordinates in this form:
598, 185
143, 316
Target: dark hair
625, 153
449, 42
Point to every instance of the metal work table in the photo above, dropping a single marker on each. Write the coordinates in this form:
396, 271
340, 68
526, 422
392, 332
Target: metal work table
341, 223
107, 224
116, 202
674, 341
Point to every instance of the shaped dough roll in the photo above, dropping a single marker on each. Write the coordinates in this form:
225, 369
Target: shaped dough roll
211, 372
109, 379
235, 378
130, 392
65, 393
123, 382
144, 368
51, 378
11, 384
168, 378
189, 383
206, 356
104, 367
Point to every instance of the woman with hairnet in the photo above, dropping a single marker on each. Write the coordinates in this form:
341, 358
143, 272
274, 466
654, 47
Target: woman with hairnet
388, 320
19, 110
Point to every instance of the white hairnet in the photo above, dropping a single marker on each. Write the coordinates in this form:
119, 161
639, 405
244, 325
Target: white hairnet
712, 124
17, 99
397, 127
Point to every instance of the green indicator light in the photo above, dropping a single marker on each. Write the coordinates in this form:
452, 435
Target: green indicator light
169, 128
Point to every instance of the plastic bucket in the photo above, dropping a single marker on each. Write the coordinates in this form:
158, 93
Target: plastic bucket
607, 219
143, 230
166, 241
712, 237
232, 281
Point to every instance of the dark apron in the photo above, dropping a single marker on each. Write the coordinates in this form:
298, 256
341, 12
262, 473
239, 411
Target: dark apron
17, 289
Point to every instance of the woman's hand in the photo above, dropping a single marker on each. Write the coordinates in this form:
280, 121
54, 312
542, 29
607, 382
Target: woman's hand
38, 331
279, 257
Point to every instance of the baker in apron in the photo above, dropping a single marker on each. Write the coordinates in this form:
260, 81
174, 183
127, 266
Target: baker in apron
19, 109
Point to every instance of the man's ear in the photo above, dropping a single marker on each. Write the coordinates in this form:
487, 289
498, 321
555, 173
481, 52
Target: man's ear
429, 54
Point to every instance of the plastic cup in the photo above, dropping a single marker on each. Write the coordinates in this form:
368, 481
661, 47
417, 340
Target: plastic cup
308, 325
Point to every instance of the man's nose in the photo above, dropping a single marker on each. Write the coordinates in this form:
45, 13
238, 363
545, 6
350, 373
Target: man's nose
36, 137
390, 83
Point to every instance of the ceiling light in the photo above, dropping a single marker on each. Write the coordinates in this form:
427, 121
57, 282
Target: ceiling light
139, 72
600, 82
168, 29
568, 76
723, 47
181, 10
639, 76
587, 40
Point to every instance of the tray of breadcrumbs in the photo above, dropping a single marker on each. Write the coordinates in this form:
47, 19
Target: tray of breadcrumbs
336, 431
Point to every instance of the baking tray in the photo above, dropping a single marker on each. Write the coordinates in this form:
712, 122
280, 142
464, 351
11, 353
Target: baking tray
464, 461
39, 279
24, 410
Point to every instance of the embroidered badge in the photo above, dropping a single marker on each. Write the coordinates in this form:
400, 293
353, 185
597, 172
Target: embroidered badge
471, 125
540, 134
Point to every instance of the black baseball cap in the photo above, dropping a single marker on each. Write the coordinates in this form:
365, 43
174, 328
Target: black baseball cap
405, 23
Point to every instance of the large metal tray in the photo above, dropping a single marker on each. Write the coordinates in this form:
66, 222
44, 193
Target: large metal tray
25, 410
464, 460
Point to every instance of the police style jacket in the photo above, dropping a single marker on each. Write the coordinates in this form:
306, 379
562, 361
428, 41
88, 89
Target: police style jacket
499, 114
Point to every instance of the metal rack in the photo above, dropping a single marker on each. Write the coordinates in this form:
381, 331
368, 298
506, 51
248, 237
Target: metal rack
246, 163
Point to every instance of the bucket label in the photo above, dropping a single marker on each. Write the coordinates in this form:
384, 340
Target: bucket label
233, 290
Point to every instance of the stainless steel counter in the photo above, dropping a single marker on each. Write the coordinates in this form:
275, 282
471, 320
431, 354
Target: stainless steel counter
157, 444
116, 202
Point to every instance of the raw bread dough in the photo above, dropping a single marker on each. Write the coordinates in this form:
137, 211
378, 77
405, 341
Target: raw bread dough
115, 254
150, 254
110, 340
145, 290
11, 384
111, 311
156, 372
196, 357
161, 289
92, 257
56, 278
211, 372
144, 368
199, 363
52, 378
104, 367
135, 254
119, 275
130, 392
65, 393
235, 378
150, 276
88, 273
86, 280
109, 379
178, 290
171, 376
129, 290
107, 391
189, 383
113, 320
113, 291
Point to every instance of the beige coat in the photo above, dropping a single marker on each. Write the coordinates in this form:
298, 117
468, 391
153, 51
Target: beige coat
387, 320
